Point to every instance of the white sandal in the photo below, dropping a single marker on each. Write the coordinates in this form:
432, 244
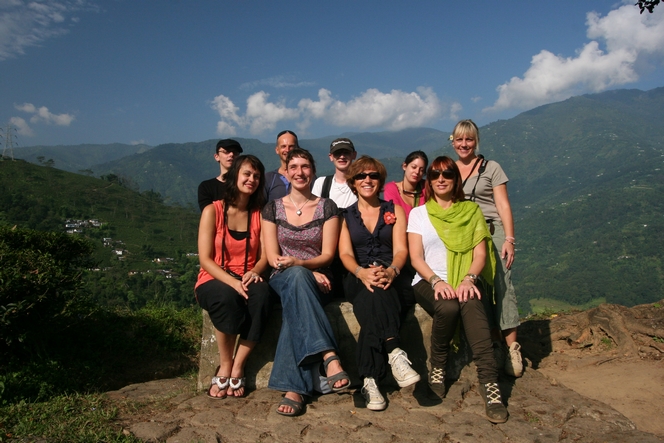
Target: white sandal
216, 381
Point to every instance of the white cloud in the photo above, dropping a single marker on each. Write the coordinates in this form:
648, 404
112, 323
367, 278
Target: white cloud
22, 126
372, 109
137, 142
24, 24
633, 42
43, 115
455, 108
276, 82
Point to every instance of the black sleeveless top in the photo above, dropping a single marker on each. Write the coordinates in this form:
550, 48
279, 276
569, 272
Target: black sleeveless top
368, 246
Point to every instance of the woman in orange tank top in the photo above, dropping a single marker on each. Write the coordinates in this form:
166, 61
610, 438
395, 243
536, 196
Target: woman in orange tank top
230, 286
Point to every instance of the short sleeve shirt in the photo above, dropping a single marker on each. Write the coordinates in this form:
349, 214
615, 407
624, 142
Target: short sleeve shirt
303, 242
483, 184
340, 193
435, 252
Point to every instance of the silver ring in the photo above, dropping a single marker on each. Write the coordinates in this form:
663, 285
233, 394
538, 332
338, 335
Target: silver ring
278, 265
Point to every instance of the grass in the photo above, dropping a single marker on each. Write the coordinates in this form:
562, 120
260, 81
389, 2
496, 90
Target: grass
65, 418
55, 391
543, 306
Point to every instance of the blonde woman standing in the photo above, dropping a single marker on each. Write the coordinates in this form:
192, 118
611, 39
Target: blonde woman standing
485, 183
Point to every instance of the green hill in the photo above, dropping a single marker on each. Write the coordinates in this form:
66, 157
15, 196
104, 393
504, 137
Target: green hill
136, 228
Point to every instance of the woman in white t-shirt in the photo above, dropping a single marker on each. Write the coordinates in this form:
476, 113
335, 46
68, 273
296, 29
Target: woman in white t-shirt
448, 242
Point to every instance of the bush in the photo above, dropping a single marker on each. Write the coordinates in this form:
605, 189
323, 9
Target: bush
40, 273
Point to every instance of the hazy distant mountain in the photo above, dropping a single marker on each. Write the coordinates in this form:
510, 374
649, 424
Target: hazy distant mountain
76, 158
176, 169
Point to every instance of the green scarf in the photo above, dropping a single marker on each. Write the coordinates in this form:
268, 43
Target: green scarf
462, 227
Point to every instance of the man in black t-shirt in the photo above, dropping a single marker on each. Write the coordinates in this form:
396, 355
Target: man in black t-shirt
214, 188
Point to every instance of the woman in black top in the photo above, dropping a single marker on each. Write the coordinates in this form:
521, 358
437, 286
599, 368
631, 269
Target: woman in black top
373, 248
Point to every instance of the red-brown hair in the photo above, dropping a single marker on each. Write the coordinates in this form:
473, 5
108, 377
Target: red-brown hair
442, 163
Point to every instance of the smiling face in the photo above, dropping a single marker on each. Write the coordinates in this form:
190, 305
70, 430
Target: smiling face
299, 172
414, 171
248, 179
444, 180
443, 184
342, 159
284, 144
367, 183
464, 145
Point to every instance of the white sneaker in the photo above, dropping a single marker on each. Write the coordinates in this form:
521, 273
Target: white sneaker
375, 400
401, 370
514, 364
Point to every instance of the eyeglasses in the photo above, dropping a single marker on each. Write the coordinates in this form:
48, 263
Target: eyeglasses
363, 175
448, 174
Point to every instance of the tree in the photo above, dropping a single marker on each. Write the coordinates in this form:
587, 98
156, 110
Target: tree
647, 4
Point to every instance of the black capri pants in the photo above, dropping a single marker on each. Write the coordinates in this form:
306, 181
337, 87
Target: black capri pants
233, 314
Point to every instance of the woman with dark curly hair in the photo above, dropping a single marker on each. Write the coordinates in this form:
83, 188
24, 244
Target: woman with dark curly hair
230, 287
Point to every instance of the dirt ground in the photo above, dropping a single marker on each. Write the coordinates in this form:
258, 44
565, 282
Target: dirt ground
633, 387
610, 353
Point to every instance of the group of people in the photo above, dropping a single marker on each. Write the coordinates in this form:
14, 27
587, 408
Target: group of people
433, 239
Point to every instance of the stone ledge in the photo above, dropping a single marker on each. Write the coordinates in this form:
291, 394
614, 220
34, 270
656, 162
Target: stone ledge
415, 340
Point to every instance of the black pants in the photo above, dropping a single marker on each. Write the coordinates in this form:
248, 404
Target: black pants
379, 316
446, 314
231, 313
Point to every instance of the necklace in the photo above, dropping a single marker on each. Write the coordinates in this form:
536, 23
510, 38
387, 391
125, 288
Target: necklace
299, 210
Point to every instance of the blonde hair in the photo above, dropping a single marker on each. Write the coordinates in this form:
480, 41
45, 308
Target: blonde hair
467, 127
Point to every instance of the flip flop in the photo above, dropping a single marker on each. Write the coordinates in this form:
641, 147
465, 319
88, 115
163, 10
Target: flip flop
216, 381
331, 380
236, 383
297, 406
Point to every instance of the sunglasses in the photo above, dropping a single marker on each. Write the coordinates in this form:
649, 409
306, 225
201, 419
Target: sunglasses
448, 174
363, 175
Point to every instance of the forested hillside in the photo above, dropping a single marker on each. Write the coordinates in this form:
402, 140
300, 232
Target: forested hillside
140, 247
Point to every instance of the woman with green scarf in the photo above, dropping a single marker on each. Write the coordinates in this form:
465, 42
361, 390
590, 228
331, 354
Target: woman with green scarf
448, 242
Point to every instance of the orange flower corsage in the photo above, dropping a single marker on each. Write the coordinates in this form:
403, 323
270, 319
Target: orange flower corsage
390, 218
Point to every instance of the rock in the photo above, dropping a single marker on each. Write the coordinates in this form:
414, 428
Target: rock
415, 338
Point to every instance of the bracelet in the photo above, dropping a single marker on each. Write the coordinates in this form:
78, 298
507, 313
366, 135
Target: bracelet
357, 270
396, 270
510, 240
433, 280
472, 277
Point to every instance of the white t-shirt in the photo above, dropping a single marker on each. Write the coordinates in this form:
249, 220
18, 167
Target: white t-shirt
340, 193
435, 252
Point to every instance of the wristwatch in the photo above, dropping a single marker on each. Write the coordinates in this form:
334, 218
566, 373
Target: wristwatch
473, 277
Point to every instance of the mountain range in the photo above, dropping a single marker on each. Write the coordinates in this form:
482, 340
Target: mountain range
585, 185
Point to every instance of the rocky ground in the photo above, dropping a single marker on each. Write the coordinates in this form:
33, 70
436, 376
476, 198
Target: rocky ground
581, 385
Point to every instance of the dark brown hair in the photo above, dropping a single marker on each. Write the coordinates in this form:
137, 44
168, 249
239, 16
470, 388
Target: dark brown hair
301, 153
257, 199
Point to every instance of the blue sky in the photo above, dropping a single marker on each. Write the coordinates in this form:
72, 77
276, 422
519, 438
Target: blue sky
161, 71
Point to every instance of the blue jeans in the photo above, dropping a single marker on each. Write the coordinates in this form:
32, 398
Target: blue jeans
305, 332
